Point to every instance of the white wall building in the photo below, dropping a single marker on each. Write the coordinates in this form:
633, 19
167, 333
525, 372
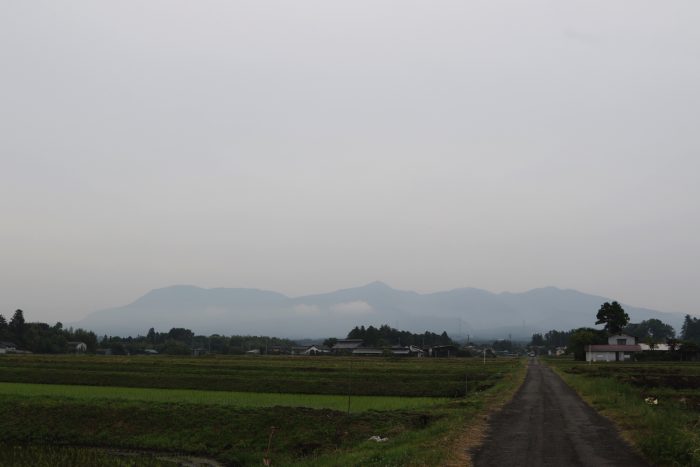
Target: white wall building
620, 348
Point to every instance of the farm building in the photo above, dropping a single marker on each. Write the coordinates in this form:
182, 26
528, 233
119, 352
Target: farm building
7, 347
620, 347
277, 350
76, 347
310, 350
443, 351
346, 346
557, 351
316, 350
410, 351
658, 347
396, 351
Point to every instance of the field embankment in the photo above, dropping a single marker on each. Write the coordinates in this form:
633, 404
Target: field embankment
655, 405
166, 405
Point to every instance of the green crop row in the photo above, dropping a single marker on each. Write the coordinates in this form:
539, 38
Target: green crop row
239, 432
235, 399
378, 376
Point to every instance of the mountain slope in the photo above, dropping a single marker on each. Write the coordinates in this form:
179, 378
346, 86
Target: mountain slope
466, 311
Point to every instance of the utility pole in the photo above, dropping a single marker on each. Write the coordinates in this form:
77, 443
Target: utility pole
349, 382
484, 355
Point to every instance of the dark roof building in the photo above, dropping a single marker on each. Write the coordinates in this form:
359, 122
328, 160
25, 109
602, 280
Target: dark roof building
346, 345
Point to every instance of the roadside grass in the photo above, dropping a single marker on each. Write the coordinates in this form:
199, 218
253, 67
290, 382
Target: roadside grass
235, 399
458, 428
667, 434
420, 430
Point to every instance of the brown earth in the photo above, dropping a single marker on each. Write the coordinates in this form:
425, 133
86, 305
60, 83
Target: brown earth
547, 424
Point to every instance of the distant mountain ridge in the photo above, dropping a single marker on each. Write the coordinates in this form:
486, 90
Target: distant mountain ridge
461, 312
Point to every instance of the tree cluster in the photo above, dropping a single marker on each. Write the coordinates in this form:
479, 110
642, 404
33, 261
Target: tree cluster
42, 337
616, 320
503, 345
582, 337
691, 329
650, 330
386, 336
551, 339
182, 341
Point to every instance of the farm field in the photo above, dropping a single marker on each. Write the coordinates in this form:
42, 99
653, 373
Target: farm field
236, 399
302, 375
655, 404
164, 405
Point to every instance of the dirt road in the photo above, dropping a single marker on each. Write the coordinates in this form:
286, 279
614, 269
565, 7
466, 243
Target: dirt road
547, 424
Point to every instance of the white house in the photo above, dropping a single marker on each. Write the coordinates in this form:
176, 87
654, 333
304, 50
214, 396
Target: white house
660, 347
316, 350
7, 347
77, 347
620, 348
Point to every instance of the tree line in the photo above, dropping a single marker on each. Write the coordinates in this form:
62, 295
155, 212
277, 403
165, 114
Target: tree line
615, 320
182, 341
38, 337
386, 336
42, 337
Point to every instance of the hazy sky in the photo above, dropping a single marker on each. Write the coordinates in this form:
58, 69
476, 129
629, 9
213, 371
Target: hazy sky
304, 146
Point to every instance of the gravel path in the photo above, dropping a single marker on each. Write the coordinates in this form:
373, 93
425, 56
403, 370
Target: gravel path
547, 424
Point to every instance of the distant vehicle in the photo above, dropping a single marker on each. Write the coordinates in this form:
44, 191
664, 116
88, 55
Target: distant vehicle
532, 354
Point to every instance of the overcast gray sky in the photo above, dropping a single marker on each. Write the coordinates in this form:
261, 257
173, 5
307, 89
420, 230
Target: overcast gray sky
304, 146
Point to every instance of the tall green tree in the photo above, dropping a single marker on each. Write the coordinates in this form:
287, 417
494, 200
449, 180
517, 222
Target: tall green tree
181, 334
537, 340
151, 336
18, 327
613, 316
691, 329
4, 328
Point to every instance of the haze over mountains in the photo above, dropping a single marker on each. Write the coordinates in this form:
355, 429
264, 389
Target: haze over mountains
461, 312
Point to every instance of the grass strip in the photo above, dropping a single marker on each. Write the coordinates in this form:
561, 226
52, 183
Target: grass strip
666, 434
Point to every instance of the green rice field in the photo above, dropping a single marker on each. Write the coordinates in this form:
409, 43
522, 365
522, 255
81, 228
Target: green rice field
234, 399
235, 411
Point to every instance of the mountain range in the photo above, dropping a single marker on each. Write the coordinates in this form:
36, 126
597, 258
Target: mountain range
462, 312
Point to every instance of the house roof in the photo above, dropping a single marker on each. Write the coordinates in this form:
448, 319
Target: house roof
444, 347
313, 349
347, 344
613, 348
